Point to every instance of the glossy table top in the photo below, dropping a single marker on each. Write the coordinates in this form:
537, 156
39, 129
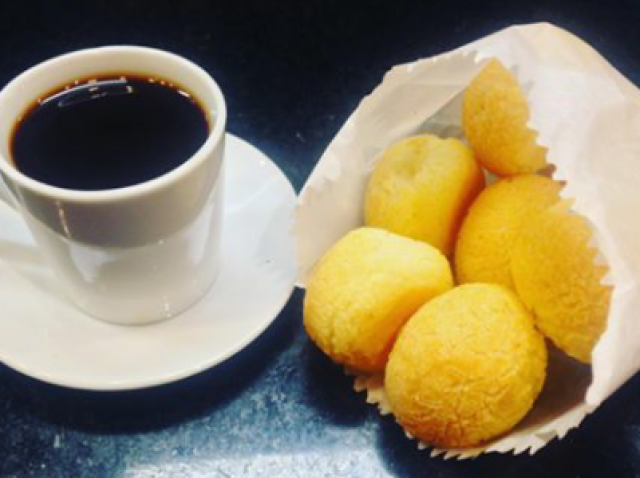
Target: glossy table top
292, 71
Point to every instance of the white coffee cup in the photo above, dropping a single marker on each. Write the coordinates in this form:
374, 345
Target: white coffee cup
136, 254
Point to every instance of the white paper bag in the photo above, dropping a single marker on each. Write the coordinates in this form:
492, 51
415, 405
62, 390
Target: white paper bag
587, 115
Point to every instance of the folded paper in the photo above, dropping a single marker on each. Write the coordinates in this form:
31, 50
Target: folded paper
587, 115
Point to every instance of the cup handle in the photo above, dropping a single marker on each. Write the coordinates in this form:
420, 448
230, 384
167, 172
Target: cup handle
6, 196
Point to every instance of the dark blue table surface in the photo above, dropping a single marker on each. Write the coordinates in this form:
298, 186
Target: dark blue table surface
292, 71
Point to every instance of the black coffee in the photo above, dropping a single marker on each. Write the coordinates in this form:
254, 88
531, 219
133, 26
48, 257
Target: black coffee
108, 132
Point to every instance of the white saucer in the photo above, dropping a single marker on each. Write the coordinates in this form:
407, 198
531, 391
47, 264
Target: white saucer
44, 336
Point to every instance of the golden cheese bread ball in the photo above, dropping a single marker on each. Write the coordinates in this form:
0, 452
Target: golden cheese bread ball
494, 118
363, 291
466, 368
421, 188
488, 232
557, 276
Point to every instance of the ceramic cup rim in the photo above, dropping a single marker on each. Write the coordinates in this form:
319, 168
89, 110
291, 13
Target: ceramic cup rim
216, 133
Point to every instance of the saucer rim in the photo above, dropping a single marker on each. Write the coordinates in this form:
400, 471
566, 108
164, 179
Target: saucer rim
202, 366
